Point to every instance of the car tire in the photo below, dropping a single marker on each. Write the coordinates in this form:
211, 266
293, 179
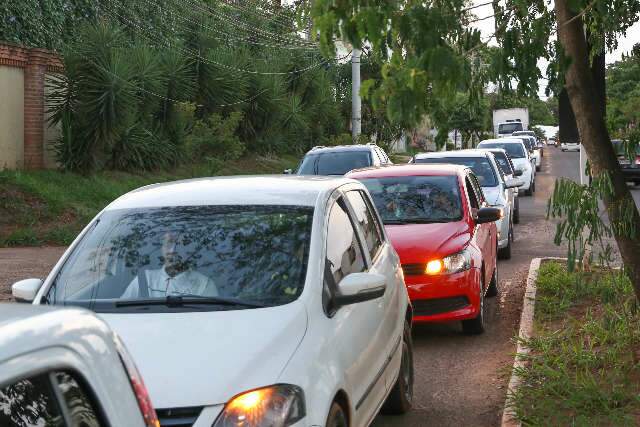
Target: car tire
475, 326
337, 416
505, 253
533, 186
538, 168
516, 211
400, 398
492, 291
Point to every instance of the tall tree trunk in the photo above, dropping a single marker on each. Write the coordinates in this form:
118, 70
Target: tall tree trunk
594, 136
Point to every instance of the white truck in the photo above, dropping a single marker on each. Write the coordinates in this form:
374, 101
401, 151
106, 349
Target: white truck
509, 120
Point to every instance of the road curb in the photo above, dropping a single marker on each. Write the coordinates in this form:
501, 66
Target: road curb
526, 329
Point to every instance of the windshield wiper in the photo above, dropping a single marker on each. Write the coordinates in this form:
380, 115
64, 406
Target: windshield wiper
427, 221
393, 221
181, 301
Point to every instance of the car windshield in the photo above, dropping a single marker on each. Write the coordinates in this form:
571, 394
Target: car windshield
416, 199
236, 256
334, 163
479, 165
515, 151
509, 128
503, 162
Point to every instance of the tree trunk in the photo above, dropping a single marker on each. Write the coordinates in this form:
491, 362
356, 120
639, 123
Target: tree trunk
594, 136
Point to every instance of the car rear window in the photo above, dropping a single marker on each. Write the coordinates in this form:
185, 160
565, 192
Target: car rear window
334, 163
480, 166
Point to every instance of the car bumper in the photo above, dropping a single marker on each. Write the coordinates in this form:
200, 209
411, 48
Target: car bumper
631, 174
445, 298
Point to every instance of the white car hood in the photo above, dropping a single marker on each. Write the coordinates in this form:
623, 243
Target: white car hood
520, 163
205, 358
493, 195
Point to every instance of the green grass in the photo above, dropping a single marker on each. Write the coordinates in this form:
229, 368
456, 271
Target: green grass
584, 368
38, 207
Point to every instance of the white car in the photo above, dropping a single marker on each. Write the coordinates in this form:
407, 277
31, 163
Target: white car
66, 368
534, 150
275, 299
570, 146
496, 189
519, 155
510, 172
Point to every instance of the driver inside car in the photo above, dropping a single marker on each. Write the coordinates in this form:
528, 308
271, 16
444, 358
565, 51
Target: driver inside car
174, 278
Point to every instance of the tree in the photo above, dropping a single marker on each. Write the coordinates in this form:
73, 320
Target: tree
431, 50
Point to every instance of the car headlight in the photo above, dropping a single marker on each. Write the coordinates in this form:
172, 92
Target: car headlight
451, 264
279, 405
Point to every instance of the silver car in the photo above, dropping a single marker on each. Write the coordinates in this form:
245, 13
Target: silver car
495, 186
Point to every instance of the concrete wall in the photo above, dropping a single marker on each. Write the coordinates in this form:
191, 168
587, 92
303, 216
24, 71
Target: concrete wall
11, 117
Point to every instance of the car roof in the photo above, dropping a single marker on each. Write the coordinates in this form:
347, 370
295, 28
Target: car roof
292, 190
408, 170
494, 150
513, 140
26, 327
456, 153
338, 148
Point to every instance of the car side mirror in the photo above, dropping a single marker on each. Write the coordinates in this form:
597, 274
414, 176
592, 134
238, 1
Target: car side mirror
513, 183
485, 215
26, 290
518, 172
360, 287
288, 172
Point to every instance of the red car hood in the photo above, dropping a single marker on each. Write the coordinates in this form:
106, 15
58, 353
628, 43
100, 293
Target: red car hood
417, 243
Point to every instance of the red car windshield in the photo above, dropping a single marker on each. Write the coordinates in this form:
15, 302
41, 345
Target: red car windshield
416, 199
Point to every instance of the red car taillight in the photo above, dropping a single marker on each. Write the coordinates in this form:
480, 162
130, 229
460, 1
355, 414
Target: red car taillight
137, 384
638, 160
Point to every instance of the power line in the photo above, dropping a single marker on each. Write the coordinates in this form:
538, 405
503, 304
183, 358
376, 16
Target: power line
197, 55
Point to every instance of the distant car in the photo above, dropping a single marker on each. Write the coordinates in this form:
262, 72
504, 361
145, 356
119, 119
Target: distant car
444, 231
256, 301
630, 168
519, 155
66, 368
534, 150
338, 160
510, 173
570, 146
492, 181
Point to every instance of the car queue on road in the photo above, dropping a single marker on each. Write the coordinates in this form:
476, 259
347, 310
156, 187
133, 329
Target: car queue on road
289, 300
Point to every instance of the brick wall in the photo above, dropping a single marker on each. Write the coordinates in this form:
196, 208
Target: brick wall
35, 64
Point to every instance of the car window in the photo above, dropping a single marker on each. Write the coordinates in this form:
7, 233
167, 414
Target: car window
30, 402
481, 167
249, 253
81, 410
378, 160
473, 200
334, 162
504, 164
344, 252
367, 222
478, 188
34, 402
416, 199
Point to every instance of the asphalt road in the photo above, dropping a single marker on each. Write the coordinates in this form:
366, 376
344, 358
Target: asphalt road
461, 380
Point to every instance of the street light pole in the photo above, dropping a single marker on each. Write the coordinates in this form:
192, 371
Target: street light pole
356, 102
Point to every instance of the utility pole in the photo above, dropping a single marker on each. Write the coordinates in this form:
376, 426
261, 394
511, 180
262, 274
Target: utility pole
356, 103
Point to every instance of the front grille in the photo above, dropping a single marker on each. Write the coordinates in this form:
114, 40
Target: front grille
178, 417
429, 307
413, 269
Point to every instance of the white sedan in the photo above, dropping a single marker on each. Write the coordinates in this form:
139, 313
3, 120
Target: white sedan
248, 301
519, 155
570, 146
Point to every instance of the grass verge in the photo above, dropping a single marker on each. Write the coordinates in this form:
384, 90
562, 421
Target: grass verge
583, 369
51, 207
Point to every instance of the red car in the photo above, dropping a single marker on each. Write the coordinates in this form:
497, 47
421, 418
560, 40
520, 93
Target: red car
444, 231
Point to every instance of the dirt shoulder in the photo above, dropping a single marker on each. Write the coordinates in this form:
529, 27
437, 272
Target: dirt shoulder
25, 263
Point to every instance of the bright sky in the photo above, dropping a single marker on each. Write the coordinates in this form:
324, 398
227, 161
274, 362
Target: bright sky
487, 28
